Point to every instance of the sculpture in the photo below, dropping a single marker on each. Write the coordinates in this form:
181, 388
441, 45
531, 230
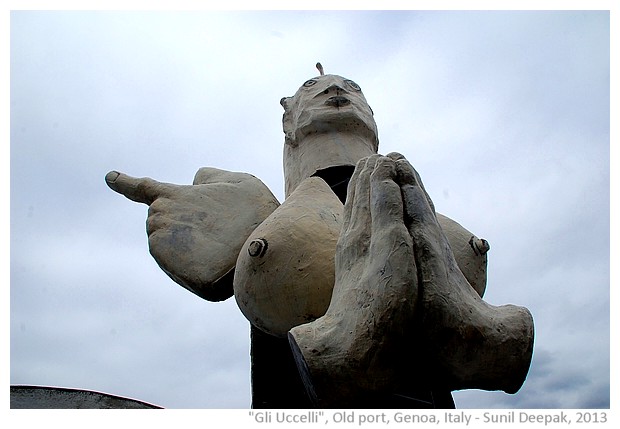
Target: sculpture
378, 296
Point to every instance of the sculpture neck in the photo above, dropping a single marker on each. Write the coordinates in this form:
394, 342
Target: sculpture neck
322, 151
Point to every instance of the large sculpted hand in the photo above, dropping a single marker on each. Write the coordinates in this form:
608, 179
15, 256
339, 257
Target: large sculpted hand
467, 342
355, 349
402, 313
195, 232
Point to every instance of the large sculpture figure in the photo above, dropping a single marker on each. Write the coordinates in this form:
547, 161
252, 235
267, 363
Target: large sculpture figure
375, 297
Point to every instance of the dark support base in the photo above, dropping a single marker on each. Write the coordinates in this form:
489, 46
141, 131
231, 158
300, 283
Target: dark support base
276, 382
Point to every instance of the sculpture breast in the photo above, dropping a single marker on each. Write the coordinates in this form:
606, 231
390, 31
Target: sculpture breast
285, 271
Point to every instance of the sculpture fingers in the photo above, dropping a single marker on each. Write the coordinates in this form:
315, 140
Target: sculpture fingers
368, 320
356, 210
471, 343
409, 174
391, 247
348, 205
208, 226
468, 250
141, 190
392, 269
421, 221
355, 234
195, 232
386, 203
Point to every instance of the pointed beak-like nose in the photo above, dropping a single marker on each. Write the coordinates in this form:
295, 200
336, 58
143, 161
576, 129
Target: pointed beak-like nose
334, 89
337, 98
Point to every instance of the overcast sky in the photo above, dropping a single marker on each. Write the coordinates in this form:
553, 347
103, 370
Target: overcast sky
504, 114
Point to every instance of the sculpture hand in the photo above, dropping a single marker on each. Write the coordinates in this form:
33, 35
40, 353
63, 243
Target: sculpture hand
359, 346
374, 256
195, 231
402, 313
468, 343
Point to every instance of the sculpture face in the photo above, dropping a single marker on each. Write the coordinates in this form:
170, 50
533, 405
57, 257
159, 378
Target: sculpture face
327, 104
327, 123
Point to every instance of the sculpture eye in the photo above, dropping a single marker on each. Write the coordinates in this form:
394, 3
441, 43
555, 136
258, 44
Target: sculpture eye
309, 82
353, 85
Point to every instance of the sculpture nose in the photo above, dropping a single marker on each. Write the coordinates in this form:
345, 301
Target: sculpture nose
334, 89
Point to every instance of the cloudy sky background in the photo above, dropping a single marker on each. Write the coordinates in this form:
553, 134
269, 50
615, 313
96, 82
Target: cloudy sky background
504, 114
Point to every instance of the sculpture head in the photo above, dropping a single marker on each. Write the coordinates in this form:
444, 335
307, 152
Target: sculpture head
327, 123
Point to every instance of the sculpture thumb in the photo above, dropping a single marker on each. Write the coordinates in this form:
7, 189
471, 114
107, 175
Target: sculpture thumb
141, 190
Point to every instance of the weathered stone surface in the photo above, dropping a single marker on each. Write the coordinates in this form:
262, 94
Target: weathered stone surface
285, 271
327, 123
196, 231
401, 311
470, 252
471, 343
355, 349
